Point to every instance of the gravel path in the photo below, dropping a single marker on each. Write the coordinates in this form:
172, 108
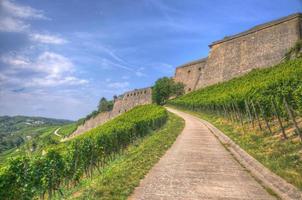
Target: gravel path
197, 166
56, 132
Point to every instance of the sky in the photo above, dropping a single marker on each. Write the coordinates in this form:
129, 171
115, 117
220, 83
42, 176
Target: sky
58, 58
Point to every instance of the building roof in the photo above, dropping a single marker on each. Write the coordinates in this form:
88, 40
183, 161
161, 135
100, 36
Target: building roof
193, 62
258, 28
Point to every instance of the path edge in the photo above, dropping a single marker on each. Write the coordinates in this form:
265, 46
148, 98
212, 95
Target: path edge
283, 189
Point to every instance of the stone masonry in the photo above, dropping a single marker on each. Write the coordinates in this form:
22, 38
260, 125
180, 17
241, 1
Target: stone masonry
122, 104
131, 99
262, 46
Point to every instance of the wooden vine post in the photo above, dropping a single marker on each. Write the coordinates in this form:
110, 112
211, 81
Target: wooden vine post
251, 118
265, 119
234, 111
257, 117
292, 117
240, 116
276, 112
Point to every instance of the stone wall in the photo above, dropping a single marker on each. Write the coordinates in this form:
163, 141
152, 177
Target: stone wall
261, 46
122, 104
131, 99
190, 73
101, 118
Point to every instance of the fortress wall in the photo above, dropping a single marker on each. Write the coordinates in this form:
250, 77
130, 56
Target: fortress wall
101, 118
190, 73
133, 98
261, 46
122, 104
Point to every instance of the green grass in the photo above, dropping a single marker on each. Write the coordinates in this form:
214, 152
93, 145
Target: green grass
119, 178
66, 130
283, 157
43, 137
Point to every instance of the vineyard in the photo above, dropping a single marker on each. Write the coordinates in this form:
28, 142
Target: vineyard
272, 94
264, 102
44, 174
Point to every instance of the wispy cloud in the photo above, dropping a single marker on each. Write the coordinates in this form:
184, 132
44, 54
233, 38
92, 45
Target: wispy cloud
21, 11
119, 85
108, 57
9, 24
13, 16
47, 70
16, 18
47, 38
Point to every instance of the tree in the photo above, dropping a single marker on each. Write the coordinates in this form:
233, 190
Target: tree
105, 105
178, 89
165, 88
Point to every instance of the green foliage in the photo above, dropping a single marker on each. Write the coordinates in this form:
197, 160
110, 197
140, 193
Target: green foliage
165, 88
260, 86
15, 131
295, 51
271, 97
281, 157
120, 177
68, 162
66, 130
105, 105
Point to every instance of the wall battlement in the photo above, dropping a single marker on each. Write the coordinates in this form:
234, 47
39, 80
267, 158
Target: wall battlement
261, 46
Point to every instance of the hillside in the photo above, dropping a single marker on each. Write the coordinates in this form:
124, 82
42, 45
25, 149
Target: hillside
15, 131
64, 163
261, 111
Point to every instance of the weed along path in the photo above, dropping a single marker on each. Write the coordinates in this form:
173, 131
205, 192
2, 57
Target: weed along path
198, 166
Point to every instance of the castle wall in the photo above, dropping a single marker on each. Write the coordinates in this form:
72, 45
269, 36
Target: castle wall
131, 99
101, 118
190, 73
122, 104
262, 46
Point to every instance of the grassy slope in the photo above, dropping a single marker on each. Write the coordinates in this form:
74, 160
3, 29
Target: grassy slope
42, 136
67, 129
121, 176
282, 157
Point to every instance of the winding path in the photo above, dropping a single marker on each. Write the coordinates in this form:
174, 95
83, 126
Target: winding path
197, 166
56, 132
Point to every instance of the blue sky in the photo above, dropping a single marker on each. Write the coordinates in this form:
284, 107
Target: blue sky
57, 58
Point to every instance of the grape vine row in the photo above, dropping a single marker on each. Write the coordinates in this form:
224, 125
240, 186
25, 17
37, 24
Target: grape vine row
65, 164
262, 95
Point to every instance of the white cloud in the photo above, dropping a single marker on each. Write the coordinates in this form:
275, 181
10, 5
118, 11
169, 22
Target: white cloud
47, 39
9, 24
20, 11
14, 60
13, 16
139, 74
53, 64
47, 70
45, 103
118, 85
50, 81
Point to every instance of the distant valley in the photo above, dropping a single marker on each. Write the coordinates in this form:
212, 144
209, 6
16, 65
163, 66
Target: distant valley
16, 130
